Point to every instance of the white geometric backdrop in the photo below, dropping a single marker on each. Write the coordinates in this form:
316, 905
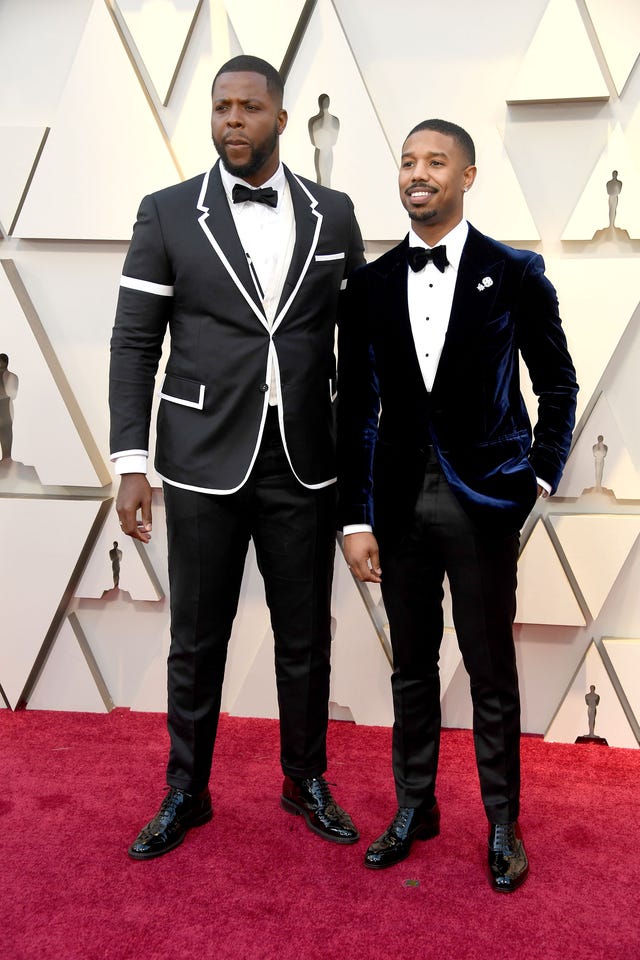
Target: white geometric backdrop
102, 102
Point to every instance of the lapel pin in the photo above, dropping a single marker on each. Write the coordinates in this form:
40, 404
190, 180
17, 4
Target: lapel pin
486, 282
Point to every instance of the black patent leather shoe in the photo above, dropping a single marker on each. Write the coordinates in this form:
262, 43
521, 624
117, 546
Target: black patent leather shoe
508, 863
312, 798
178, 812
409, 824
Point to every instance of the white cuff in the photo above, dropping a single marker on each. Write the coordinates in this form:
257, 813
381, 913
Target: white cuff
545, 486
130, 463
357, 528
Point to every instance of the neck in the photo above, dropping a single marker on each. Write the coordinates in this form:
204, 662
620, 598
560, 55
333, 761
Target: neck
432, 233
265, 172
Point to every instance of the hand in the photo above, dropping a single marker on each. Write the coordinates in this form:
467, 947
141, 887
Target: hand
543, 492
361, 553
135, 494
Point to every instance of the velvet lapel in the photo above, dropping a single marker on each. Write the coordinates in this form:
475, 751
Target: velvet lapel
477, 286
215, 219
397, 307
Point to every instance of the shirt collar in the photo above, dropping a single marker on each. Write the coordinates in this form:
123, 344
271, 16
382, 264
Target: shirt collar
454, 242
277, 181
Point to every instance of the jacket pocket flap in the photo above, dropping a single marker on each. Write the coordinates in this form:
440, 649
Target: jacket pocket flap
189, 393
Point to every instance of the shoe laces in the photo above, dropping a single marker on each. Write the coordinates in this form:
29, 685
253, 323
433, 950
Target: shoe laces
504, 838
401, 820
173, 799
319, 790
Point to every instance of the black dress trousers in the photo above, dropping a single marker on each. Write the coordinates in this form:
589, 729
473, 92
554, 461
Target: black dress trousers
482, 575
293, 529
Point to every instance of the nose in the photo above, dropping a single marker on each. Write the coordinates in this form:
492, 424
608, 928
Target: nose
421, 171
234, 117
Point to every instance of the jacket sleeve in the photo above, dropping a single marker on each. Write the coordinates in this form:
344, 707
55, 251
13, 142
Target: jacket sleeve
355, 250
144, 308
543, 346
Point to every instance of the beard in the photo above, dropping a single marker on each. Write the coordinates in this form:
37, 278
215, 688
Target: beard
421, 216
259, 156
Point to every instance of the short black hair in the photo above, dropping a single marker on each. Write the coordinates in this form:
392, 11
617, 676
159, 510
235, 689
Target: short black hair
452, 130
249, 64
4, 357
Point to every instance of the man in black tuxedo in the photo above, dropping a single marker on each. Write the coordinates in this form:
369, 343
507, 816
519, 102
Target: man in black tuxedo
437, 472
244, 265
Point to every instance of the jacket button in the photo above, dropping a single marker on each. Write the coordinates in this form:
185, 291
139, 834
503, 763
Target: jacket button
264, 387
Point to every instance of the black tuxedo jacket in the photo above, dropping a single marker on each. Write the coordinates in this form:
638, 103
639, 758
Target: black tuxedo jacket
475, 417
186, 269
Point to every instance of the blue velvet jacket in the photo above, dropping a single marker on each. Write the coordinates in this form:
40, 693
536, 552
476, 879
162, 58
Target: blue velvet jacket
474, 416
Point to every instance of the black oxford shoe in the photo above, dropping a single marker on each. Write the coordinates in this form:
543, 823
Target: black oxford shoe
312, 798
178, 812
409, 824
508, 862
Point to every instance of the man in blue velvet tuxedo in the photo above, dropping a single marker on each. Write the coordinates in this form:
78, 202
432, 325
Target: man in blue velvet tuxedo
438, 469
244, 266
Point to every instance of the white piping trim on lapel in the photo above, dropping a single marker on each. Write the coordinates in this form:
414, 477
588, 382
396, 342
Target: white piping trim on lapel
308, 486
212, 240
314, 243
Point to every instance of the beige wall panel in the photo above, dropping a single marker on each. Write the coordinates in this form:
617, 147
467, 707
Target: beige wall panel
265, 30
546, 656
160, 31
545, 75
590, 219
571, 720
496, 204
597, 548
625, 658
544, 593
454, 60
619, 475
41, 543
187, 118
130, 643
66, 682
105, 149
37, 67
617, 24
542, 160
19, 150
325, 65
74, 292
597, 302
257, 696
250, 651
119, 563
43, 423
360, 669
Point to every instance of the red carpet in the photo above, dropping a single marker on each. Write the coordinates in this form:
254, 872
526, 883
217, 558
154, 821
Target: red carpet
255, 884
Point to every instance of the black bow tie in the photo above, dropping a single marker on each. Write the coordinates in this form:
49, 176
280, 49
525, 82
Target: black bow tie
419, 257
262, 195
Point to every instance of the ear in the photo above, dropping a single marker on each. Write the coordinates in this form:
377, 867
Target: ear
281, 121
468, 176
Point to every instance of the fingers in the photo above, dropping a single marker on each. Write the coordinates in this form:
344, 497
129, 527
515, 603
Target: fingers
361, 553
135, 495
